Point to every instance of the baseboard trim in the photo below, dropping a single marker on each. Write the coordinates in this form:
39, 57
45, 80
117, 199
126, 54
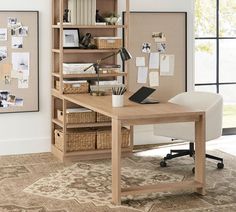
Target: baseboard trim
25, 146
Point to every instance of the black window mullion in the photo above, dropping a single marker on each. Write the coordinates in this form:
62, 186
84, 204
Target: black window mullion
217, 47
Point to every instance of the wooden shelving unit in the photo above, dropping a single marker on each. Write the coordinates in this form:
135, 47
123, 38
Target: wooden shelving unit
61, 55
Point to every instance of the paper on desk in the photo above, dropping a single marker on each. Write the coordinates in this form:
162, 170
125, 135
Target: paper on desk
154, 78
167, 63
154, 60
142, 74
140, 61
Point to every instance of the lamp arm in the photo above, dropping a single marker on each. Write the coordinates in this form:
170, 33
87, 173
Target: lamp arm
111, 55
100, 60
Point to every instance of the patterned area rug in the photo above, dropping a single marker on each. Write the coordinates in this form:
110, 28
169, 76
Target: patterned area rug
91, 181
40, 183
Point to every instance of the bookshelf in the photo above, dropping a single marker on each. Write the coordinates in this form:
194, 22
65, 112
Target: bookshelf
61, 55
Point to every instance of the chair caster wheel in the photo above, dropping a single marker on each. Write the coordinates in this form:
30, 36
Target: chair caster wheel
163, 163
193, 170
220, 165
168, 156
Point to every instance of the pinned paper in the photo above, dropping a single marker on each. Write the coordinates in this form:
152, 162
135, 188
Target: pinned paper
140, 61
167, 63
142, 74
154, 60
17, 75
3, 53
154, 78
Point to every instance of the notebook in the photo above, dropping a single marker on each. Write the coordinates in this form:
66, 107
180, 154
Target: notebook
140, 96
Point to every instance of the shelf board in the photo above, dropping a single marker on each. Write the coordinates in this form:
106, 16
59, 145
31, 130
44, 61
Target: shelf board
88, 51
57, 122
84, 51
56, 93
56, 75
89, 26
88, 155
94, 75
82, 125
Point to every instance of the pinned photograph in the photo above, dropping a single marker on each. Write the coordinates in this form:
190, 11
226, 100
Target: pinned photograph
23, 31
159, 36
17, 42
15, 29
161, 47
20, 62
3, 53
3, 98
11, 21
11, 99
3, 34
146, 48
19, 102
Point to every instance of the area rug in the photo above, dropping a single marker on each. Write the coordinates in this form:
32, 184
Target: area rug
90, 182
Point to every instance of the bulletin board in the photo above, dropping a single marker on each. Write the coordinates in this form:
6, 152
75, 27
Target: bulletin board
19, 78
158, 45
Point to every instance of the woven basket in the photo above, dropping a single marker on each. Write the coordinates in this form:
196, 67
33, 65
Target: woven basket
104, 138
69, 88
108, 42
103, 118
77, 118
76, 140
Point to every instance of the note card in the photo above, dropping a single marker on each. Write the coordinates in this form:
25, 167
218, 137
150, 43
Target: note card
140, 61
154, 60
154, 78
167, 63
142, 74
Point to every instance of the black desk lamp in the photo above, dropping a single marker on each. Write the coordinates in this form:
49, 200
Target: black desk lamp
124, 54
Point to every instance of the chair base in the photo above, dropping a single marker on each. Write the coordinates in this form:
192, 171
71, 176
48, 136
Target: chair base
191, 152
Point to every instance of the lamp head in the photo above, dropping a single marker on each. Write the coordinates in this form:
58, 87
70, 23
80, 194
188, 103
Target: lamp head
124, 54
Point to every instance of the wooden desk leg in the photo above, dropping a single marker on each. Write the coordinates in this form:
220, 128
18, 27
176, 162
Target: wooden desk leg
200, 158
116, 161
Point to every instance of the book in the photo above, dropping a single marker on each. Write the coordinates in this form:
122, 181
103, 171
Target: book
72, 5
77, 68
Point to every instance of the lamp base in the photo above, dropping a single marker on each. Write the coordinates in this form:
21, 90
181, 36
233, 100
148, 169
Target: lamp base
97, 93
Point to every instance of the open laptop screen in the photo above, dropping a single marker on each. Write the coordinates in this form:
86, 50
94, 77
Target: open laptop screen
140, 95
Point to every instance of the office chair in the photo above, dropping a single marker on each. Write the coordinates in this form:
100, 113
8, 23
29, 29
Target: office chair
212, 104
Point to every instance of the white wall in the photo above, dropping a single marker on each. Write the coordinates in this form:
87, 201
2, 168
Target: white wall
30, 132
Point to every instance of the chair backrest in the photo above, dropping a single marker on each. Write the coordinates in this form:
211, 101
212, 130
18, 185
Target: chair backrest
211, 103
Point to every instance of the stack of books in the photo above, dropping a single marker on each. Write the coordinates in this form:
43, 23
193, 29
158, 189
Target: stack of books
82, 12
78, 68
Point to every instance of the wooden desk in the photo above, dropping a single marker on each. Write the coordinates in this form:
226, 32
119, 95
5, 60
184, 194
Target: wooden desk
137, 114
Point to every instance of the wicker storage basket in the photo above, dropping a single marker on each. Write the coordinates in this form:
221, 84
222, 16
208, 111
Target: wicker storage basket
77, 117
108, 42
104, 138
76, 140
70, 88
103, 118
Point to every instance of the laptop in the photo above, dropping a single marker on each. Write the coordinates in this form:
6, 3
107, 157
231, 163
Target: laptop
140, 96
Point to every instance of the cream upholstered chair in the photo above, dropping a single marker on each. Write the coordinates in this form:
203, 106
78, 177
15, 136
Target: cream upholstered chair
212, 104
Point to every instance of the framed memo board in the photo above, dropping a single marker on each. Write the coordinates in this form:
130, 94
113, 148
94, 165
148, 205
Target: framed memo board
158, 45
19, 61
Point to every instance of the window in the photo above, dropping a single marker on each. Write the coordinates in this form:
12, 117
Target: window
215, 53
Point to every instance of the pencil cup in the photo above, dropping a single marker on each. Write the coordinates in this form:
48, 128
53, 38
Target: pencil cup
117, 100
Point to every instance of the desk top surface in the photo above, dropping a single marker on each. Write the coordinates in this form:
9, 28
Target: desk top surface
130, 110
